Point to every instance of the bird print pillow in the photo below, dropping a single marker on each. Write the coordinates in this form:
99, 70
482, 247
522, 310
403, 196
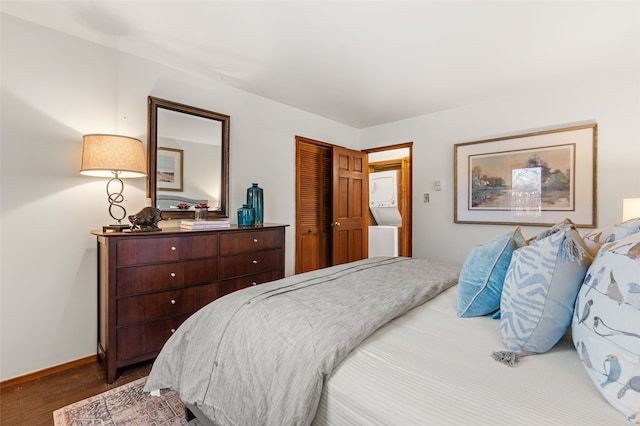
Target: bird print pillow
598, 237
606, 324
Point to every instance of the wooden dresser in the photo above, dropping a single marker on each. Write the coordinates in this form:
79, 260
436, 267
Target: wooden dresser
149, 283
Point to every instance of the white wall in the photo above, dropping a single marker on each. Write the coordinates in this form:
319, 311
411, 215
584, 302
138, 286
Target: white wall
612, 101
55, 88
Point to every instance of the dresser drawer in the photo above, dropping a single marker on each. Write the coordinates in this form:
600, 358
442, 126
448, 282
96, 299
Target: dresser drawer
152, 306
145, 340
246, 241
229, 286
250, 263
165, 276
138, 251
150, 282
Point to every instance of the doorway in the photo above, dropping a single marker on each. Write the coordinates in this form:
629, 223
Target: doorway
332, 214
398, 159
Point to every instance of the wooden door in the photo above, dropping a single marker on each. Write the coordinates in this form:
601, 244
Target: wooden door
350, 203
313, 205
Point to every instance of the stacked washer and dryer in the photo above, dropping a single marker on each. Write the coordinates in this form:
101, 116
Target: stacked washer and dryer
383, 203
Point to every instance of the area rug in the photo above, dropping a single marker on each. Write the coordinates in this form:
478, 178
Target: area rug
125, 405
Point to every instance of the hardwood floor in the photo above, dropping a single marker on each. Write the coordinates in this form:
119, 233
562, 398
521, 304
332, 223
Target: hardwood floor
33, 403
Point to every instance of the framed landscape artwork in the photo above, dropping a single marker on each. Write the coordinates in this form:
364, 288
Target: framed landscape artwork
169, 169
537, 178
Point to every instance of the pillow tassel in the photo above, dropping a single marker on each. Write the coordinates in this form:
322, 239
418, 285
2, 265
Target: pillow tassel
571, 250
508, 358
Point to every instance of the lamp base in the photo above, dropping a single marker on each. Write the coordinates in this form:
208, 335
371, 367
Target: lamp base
115, 228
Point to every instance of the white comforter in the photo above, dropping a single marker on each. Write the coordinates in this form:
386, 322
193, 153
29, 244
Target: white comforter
430, 367
261, 356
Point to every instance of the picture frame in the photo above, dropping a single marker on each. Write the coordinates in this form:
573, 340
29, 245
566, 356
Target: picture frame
536, 179
169, 169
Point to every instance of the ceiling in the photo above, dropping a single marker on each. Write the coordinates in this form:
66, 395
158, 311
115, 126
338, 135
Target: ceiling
363, 63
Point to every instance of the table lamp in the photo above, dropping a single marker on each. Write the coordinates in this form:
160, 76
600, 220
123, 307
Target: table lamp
630, 208
114, 157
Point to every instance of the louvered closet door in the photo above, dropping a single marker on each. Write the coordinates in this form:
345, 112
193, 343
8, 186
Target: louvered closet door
313, 206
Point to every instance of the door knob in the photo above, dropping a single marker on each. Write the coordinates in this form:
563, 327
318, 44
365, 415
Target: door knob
336, 224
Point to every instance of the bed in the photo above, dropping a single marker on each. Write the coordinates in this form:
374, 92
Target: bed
378, 341
431, 367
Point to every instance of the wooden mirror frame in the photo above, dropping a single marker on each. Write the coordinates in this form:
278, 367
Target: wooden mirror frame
152, 147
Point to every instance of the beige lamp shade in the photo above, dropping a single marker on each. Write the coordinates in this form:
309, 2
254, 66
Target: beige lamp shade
630, 208
103, 155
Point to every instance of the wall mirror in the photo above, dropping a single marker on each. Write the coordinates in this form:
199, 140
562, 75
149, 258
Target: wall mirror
188, 159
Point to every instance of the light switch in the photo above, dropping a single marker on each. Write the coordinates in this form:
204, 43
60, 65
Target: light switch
437, 185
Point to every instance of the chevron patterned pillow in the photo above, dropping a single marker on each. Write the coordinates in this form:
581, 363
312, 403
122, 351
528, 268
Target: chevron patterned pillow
539, 291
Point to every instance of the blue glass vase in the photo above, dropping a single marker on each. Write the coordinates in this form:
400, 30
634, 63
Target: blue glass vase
246, 216
255, 201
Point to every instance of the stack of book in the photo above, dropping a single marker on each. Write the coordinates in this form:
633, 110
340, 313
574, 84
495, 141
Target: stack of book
194, 225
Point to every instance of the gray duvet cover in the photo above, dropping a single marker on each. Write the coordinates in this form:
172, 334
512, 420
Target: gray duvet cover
260, 356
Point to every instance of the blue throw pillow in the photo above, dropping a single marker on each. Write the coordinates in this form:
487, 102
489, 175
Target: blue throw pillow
540, 290
483, 272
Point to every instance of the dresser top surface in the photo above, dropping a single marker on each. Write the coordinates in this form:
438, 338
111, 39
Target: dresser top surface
179, 231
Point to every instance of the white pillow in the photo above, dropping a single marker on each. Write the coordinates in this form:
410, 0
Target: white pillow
540, 290
596, 238
606, 324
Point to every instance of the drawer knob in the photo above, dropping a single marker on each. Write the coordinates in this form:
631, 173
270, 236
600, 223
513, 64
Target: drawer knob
173, 248
173, 330
255, 262
173, 301
255, 240
173, 274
